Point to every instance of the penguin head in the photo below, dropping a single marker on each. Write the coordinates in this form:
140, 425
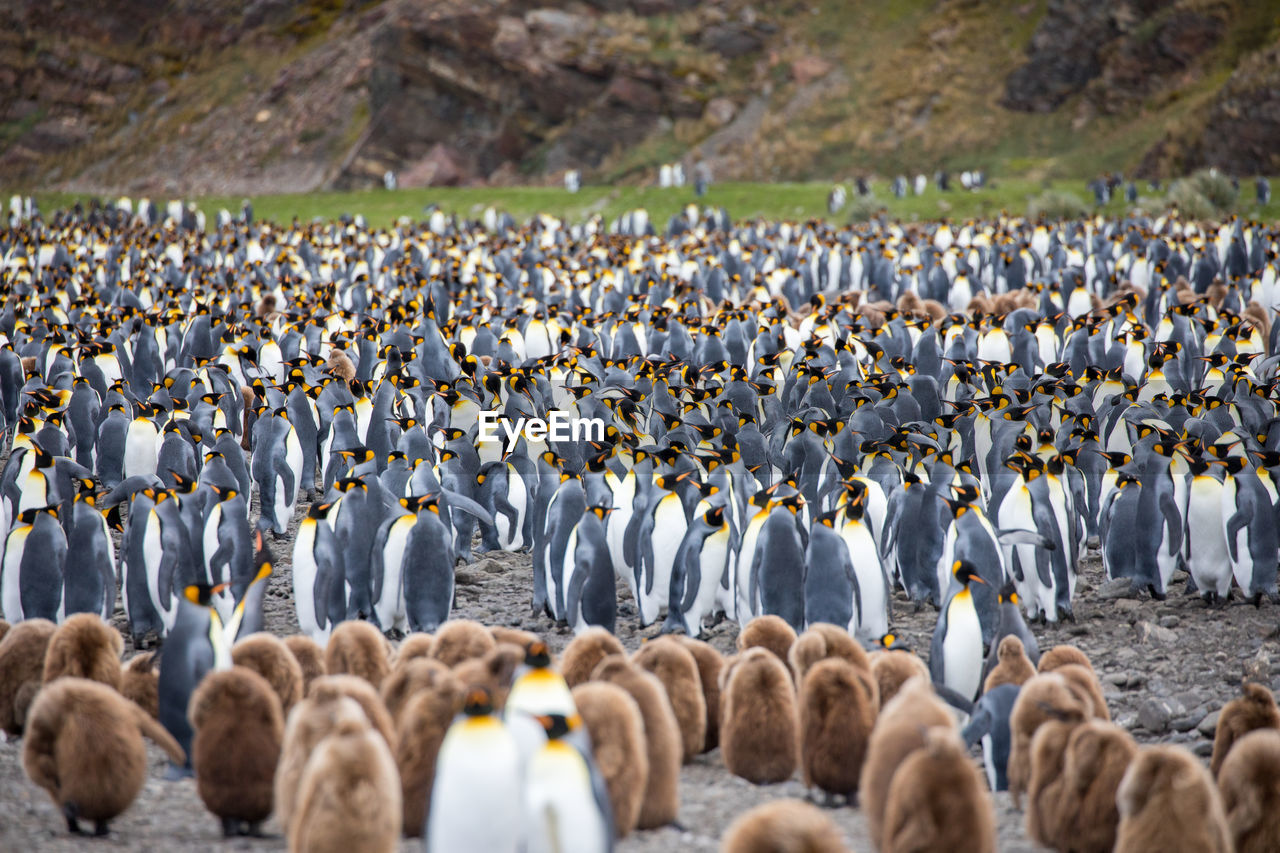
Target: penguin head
536, 654
559, 725
966, 573
1008, 594
477, 703
893, 642
202, 593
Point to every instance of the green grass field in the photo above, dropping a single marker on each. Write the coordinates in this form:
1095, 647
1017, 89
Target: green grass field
794, 201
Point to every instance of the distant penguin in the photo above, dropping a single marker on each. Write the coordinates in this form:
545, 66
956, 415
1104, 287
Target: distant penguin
696, 572
616, 729
566, 803
783, 826
1255, 708
936, 800
899, 732
195, 646
31, 578
838, 703
476, 800
238, 731
591, 594
956, 654
675, 667
989, 725
777, 568
661, 802
759, 725
349, 795
1250, 793
831, 593
1168, 802
83, 745
584, 651
84, 646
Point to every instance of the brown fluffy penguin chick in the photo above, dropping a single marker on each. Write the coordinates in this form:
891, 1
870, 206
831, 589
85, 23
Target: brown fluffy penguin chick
4, 628
584, 652
1012, 665
494, 672
893, 668
759, 726
515, 636
1254, 708
354, 687
421, 723
340, 365
1084, 681
140, 682
1250, 784
85, 647
238, 730
84, 747
822, 641
783, 826
675, 667
1097, 755
310, 658
1061, 656
616, 729
270, 658
357, 648
710, 664
461, 639
408, 679
899, 731
1169, 804
937, 800
661, 734
349, 794
1048, 696
22, 670
1044, 789
768, 632
838, 706
416, 645
307, 724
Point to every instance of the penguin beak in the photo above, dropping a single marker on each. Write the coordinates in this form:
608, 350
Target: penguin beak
977, 579
217, 589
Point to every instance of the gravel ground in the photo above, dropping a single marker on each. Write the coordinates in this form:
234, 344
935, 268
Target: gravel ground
1166, 667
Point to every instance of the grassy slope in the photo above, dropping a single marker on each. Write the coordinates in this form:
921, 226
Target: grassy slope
795, 201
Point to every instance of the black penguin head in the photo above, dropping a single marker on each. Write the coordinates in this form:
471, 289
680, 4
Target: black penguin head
202, 593
558, 725
966, 572
478, 703
893, 642
1008, 594
536, 654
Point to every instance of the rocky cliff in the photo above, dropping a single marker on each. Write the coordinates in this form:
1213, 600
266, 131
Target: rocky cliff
229, 97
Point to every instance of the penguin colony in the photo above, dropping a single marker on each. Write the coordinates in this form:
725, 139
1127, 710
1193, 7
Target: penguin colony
798, 420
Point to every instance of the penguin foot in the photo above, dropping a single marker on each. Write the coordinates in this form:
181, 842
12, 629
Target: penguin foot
100, 829
71, 812
231, 827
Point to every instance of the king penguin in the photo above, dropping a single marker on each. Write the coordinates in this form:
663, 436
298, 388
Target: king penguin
195, 646
567, 808
955, 656
476, 797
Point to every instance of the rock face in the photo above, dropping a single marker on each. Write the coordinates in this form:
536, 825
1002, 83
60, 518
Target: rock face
1116, 53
